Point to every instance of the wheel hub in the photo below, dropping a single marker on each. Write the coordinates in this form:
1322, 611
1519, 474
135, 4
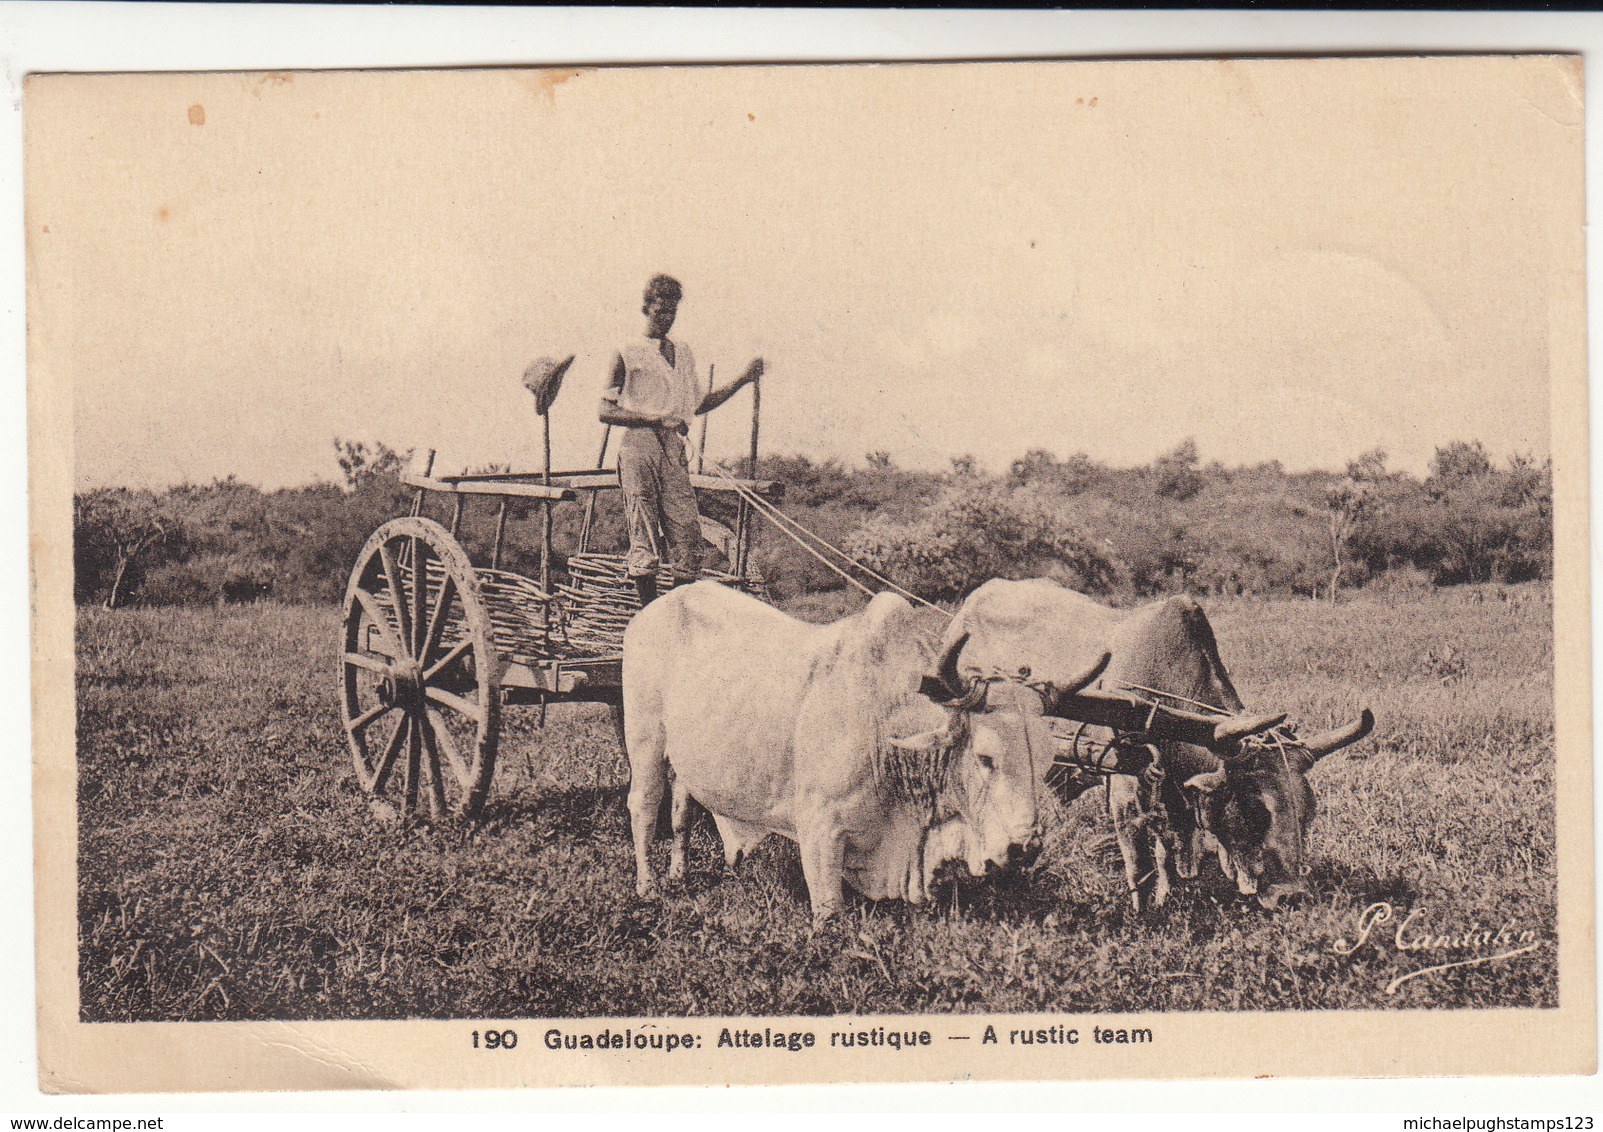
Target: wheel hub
406, 680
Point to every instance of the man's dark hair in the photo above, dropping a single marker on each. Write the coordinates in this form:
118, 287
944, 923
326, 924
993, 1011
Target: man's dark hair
664, 287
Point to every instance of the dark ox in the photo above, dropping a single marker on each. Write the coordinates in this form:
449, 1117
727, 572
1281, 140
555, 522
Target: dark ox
1249, 800
831, 735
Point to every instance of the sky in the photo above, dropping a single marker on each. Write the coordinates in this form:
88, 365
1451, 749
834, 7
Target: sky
1284, 260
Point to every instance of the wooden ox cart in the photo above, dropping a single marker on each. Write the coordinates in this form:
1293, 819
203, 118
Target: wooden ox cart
434, 645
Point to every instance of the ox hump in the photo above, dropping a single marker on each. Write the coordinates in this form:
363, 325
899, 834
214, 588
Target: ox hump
1054, 632
885, 615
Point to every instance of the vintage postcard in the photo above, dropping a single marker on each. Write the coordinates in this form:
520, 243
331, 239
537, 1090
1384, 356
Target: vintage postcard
831, 573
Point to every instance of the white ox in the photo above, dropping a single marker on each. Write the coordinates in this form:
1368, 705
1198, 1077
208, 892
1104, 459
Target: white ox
828, 735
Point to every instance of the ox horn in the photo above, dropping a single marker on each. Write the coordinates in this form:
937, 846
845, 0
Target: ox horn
1229, 732
1085, 678
1321, 745
946, 686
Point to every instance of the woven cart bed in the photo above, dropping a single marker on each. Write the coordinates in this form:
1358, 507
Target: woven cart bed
583, 620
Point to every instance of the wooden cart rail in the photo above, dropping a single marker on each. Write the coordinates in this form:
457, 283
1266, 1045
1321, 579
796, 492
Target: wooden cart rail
517, 489
563, 485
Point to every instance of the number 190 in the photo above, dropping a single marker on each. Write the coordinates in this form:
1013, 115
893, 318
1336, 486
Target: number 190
496, 1039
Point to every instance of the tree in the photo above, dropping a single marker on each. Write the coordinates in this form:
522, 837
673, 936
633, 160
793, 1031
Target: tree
1460, 460
1528, 483
1348, 503
1035, 466
113, 528
1484, 523
1370, 467
1175, 473
362, 462
1351, 502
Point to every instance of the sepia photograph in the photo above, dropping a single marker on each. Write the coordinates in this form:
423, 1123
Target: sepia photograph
713, 574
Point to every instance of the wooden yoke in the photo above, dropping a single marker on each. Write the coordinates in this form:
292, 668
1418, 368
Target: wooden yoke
1156, 722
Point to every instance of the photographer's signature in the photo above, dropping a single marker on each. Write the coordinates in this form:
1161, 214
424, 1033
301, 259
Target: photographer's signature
1413, 936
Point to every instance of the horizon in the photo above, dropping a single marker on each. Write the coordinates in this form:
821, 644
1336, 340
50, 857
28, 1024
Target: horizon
1205, 462
1097, 257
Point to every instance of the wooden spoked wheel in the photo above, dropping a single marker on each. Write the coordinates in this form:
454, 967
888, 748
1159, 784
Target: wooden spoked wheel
418, 672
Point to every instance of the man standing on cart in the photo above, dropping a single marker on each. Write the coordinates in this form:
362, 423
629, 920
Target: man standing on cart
652, 394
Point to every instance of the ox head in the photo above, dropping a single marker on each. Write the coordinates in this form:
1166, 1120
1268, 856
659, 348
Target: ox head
991, 750
985, 811
1256, 806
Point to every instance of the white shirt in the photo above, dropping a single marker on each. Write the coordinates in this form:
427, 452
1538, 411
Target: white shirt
651, 386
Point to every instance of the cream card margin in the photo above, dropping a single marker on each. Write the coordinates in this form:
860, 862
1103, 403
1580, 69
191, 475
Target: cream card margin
176, 1057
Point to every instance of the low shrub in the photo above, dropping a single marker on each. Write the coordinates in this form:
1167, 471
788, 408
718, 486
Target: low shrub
975, 531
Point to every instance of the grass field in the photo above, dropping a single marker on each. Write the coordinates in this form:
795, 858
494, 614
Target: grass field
229, 867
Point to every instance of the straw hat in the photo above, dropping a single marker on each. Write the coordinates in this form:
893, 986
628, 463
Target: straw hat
543, 378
